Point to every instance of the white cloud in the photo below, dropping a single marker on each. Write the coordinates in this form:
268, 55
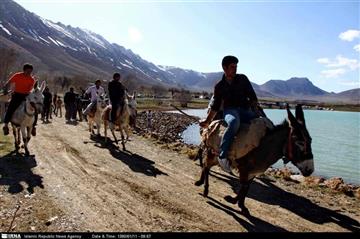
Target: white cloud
333, 73
323, 60
340, 61
134, 35
349, 35
357, 47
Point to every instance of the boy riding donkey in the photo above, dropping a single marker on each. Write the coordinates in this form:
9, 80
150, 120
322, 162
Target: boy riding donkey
23, 83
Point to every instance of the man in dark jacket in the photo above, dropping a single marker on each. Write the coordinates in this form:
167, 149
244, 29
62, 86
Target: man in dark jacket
116, 95
70, 104
239, 100
47, 104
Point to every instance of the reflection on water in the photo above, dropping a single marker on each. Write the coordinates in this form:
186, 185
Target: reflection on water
336, 140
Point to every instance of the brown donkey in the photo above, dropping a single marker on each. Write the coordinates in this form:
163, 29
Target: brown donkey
289, 140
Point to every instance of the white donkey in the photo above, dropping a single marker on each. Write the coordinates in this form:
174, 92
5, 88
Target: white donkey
95, 117
24, 116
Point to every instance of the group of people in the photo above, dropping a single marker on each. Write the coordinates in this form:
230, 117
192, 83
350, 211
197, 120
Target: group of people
51, 105
233, 95
23, 83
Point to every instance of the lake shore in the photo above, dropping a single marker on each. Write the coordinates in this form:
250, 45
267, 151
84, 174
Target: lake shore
160, 104
166, 131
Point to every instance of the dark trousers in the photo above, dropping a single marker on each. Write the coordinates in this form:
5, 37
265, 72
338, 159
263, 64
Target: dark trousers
70, 111
15, 102
46, 111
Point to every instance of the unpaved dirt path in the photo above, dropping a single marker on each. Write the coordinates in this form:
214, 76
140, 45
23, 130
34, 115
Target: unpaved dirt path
101, 188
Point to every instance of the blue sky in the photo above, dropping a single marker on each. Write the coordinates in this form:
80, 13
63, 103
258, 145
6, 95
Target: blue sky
272, 39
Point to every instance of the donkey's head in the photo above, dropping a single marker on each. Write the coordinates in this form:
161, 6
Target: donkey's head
35, 98
298, 150
101, 102
131, 102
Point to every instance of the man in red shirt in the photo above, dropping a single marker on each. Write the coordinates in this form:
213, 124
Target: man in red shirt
23, 84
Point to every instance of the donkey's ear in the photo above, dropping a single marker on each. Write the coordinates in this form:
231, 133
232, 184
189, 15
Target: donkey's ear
43, 85
299, 114
290, 116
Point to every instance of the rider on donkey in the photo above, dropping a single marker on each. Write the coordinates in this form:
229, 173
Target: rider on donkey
23, 84
95, 91
116, 95
240, 104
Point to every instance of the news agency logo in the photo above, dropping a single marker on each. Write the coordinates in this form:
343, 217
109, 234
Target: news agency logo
10, 236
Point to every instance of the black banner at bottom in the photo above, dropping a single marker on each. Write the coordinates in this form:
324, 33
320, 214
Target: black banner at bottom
174, 235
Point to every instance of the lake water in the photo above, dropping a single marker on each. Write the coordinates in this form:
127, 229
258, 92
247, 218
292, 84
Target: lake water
335, 145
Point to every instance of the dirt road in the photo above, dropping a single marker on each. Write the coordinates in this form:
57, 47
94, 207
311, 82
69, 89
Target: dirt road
80, 184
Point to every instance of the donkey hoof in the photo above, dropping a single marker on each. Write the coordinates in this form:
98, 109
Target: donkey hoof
229, 199
198, 183
206, 192
244, 210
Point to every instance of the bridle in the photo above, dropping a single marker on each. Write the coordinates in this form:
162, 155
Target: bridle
289, 152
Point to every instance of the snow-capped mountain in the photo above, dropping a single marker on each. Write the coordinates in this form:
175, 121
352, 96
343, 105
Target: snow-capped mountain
66, 50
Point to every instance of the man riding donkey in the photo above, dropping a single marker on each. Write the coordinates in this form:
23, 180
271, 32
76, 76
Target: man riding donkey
117, 98
240, 105
22, 83
94, 91
122, 112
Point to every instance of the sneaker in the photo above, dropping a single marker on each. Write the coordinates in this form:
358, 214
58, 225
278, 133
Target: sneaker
33, 131
6, 130
225, 165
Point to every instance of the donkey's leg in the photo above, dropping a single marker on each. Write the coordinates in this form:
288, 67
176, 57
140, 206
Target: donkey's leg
25, 132
16, 141
90, 126
122, 137
18, 136
244, 186
113, 133
105, 130
202, 177
98, 125
199, 155
127, 132
244, 183
211, 161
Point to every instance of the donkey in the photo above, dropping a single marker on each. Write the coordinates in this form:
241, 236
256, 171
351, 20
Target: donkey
95, 117
24, 117
289, 140
124, 118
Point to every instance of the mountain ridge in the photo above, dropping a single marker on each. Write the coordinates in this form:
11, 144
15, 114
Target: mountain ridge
61, 48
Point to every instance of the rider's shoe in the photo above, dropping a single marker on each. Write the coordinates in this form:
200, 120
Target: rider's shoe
6, 130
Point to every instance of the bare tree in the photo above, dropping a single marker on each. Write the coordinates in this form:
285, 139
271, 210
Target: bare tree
183, 97
159, 90
129, 82
7, 62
